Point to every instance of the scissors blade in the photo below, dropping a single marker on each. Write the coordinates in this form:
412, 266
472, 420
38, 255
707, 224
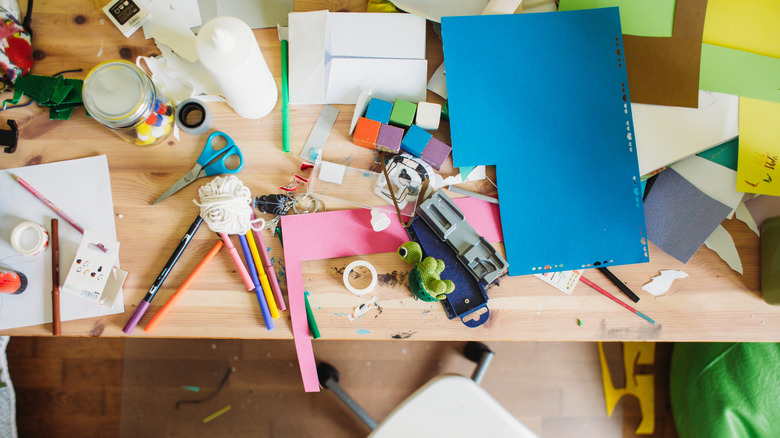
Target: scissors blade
184, 181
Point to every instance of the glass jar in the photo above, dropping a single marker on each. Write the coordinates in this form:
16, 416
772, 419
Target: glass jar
123, 98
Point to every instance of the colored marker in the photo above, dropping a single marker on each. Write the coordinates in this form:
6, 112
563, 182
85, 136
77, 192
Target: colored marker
611, 297
144, 304
269, 324
158, 317
237, 260
269, 269
315, 331
620, 285
269, 298
56, 323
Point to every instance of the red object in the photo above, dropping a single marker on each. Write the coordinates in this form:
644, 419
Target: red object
366, 133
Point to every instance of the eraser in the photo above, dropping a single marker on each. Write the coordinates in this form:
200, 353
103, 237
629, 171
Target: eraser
415, 140
366, 132
436, 152
379, 110
428, 116
389, 139
403, 113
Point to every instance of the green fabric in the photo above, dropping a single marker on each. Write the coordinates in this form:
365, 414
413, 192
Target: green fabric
726, 389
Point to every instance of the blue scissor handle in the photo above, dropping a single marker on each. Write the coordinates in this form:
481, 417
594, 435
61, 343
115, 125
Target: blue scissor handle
209, 154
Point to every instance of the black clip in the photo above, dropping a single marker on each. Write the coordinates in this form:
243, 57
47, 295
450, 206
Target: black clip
9, 138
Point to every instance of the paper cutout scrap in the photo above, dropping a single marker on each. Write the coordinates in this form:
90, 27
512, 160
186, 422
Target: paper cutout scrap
59, 94
660, 285
742, 213
721, 242
758, 167
578, 69
679, 216
640, 18
641, 386
345, 233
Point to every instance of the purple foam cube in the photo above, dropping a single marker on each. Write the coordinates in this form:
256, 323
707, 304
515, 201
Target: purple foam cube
435, 153
389, 139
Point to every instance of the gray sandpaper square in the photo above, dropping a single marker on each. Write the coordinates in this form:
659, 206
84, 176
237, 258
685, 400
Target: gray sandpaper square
679, 216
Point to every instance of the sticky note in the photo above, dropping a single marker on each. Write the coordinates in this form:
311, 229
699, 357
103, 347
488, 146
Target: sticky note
758, 165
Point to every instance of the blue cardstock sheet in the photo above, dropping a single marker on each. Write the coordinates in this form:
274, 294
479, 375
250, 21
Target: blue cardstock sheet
545, 98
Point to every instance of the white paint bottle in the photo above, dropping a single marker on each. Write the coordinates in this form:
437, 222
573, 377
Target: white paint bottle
228, 49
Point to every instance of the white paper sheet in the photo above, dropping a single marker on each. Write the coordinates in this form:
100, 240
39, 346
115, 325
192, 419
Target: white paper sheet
256, 13
721, 242
435, 9
82, 189
171, 25
334, 56
666, 134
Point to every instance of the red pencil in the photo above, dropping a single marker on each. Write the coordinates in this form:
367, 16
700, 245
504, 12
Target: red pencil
48, 203
611, 297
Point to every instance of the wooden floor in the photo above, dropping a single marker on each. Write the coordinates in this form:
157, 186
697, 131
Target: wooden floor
129, 388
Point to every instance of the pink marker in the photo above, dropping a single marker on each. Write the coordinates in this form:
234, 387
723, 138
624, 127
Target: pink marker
237, 260
269, 268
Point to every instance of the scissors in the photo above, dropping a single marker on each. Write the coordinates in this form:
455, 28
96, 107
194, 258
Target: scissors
210, 162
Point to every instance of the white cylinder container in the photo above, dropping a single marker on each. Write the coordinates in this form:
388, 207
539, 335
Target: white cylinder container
227, 48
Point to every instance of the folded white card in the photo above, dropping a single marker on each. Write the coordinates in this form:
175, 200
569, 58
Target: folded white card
334, 56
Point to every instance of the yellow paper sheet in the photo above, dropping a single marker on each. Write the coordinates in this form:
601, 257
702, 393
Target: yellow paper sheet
758, 168
749, 25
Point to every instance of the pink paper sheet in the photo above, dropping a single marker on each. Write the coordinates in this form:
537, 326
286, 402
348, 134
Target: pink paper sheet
346, 233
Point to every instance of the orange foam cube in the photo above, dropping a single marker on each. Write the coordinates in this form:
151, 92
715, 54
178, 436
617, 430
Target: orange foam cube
366, 133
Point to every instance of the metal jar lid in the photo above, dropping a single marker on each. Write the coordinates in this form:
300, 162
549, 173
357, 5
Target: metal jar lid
118, 94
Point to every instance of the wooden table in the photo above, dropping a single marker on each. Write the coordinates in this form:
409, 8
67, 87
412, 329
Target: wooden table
712, 304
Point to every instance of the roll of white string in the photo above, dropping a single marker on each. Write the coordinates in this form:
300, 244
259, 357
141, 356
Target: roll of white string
226, 206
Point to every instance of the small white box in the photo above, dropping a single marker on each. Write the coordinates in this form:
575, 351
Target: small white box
127, 15
428, 116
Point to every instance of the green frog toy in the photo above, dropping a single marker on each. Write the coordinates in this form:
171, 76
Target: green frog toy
425, 279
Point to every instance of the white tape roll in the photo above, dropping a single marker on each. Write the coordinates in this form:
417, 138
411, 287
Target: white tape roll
193, 117
29, 238
348, 270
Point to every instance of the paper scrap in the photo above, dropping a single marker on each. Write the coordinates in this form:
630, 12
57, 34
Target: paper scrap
737, 72
716, 181
435, 9
721, 242
758, 167
641, 18
661, 284
438, 82
335, 56
724, 154
679, 216
742, 213
665, 134
576, 70
749, 25
665, 71
257, 14
762, 208
362, 309
171, 25
564, 281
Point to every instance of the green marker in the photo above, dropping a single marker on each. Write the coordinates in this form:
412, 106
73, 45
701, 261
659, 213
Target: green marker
315, 331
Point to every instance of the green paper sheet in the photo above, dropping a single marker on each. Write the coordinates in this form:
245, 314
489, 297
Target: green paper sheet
648, 18
736, 72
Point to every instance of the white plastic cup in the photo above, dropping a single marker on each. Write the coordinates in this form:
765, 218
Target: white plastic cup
228, 49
